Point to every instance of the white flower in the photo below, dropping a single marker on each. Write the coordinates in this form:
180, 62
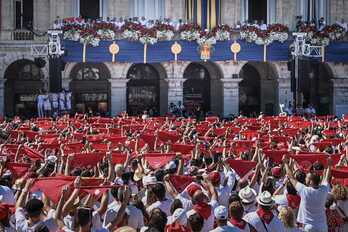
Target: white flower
222, 35
189, 35
165, 35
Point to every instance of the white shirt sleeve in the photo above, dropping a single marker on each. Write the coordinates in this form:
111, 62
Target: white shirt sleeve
300, 188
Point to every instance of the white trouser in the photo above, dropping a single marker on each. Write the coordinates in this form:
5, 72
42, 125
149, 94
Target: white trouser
40, 110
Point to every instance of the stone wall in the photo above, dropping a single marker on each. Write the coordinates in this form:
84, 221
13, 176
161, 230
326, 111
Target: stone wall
338, 10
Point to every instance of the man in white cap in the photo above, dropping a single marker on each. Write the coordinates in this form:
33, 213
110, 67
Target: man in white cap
263, 218
248, 198
221, 217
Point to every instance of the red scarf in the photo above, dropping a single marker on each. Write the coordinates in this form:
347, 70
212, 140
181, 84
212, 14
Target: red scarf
240, 224
176, 227
293, 200
265, 216
203, 209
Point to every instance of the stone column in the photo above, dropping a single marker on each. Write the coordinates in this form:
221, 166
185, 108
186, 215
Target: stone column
284, 91
340, 96
118, 95
2, 97
175, 90
231, 96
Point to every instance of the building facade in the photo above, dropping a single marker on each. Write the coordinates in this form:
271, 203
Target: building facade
223, 88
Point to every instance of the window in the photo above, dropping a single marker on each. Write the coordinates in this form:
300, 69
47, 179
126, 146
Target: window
24, 14
150, 9
90, 9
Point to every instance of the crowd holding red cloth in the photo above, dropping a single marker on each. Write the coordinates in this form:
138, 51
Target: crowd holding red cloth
171, 174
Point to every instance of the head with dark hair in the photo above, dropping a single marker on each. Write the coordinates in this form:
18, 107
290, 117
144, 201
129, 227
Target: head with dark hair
159, 191
158, 219
233, 198
236, 210
83, 218
117, 193
195, 222
300, 176
317, 166
269, 185
177, 204
34, 209
290, 188
312, 179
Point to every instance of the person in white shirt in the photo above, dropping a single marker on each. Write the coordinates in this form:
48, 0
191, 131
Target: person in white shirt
55, 104
222, 190
221, 216
286, 215
204, 207
263, 219
161, 202
40, 105
47, 105
248, 199
311, 213
62, 102
135, 217
340, 195
68, 100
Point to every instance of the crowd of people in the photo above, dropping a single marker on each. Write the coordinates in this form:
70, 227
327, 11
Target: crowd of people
154, 174
53, 104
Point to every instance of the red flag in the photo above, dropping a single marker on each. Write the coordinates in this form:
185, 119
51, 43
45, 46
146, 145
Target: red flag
275, 155
242, 167
52, 186
314, 157
182, 148
158, 160
17, 169
180, 182
165, 136
32, 154
86, 159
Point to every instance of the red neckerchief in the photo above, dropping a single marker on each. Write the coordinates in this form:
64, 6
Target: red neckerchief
203, 209
176, 227
293, 200
264, 215
240, 224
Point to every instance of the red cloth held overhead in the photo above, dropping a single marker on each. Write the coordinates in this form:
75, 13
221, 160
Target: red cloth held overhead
52, 186
314, 157
183, 148
180, 182
32, 153
275, 155
166, 136
242, 167
18, 170
86, 159
118, 158
158, 160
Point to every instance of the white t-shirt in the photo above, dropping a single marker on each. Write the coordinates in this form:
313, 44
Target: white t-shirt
312, 206
6, 195
225, 228
135, 218
163, 205
254, 219
209, 223
22, 224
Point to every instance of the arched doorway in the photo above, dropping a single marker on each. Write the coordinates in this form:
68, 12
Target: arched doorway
143, 90
202, 90
23, 84
316, 86
90, 88
258, 90
249, 91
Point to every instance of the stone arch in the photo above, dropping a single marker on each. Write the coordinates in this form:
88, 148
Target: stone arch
23, 82
90, 87
156, 89
258, 90
205, 92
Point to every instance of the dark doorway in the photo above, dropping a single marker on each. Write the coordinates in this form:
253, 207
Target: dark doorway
258, 11
316, 86
23, 84
89, 9
24, 14
143, 90
90, 89
196, 89
249, 91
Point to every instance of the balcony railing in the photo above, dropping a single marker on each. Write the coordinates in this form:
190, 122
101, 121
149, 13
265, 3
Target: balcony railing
22, 35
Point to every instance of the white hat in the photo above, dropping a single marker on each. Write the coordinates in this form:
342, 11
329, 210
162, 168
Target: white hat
221, 213
179, 215
265, 199
149, 180
52, 158
247, 195
170, 165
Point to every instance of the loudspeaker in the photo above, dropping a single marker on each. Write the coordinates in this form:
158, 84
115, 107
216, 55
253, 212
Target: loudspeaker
56, 65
